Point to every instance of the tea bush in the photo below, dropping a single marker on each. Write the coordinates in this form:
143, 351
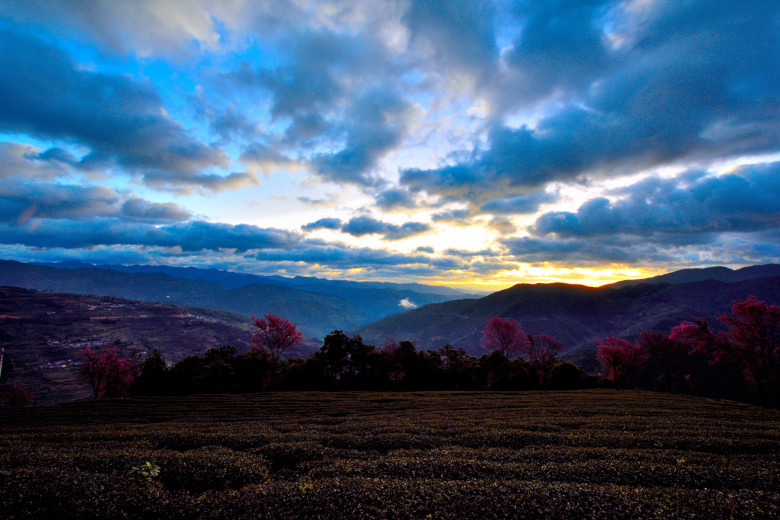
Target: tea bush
460, 455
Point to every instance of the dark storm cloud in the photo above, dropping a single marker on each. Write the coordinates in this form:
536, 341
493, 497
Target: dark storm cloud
188, 236
43, 93
364, 225
323, 223
745, 201
678, 88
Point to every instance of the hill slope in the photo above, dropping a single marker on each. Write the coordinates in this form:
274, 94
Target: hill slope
43, 332
577, 315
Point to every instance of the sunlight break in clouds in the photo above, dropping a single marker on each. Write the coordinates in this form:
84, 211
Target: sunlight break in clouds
476, 144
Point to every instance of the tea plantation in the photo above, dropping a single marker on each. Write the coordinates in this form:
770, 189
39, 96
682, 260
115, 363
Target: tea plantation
459, 455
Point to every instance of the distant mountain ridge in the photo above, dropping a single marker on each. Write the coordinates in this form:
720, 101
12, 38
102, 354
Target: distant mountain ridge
318, 306
232, 280
720, 273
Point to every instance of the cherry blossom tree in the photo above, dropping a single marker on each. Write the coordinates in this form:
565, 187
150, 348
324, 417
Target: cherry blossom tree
108, 374
752, 340
275, 335
505, 336
620, 358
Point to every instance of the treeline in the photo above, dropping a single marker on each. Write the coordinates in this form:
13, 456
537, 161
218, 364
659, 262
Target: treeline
348, 363
740, 361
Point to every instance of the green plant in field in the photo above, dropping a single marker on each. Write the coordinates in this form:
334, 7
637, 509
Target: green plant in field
147, 470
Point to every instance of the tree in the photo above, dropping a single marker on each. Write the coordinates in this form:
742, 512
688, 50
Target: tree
153, 377
345, 360
620, 358
543, 353
402, 361
752, 341
108, 374
275, 335
664, 349
505, 336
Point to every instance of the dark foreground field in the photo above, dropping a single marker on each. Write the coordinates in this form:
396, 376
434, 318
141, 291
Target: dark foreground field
585, 454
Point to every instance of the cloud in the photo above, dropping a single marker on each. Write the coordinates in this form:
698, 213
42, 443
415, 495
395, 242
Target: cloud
407, 304
323, 223
460, 217
559, 51
145, 27
20, 202
652, 105
187, 236
395, 198
376, 124
502, 225
458, 36
580, 252
136, 208
364, 225
267, 159
24, 160
523, 205
45, 94
744, 201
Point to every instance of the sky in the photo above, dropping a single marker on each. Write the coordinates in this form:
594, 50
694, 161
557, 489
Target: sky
472, 144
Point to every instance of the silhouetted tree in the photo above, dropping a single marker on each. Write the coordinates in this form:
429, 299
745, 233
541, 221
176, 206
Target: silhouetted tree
459, 370
665, 350
345, 361
620, 358
402, 362
153, 377
276, 335
254, 370
505, 336
752, 341
543, 353
568, 376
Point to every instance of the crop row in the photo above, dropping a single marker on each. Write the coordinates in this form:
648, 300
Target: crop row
448, 455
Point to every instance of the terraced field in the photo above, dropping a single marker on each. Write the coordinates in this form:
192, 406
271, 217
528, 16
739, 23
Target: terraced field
582, 454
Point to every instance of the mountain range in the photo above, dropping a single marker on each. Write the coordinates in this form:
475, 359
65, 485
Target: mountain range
318, 306
579, 315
